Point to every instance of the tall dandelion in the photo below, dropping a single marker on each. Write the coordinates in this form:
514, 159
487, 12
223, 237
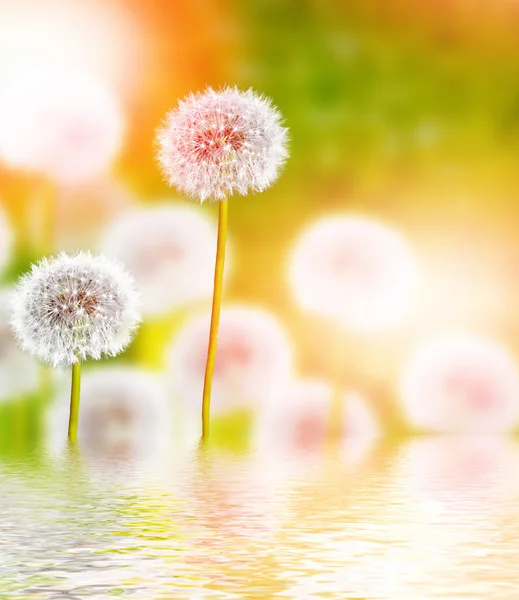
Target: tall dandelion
70, 308
213, 145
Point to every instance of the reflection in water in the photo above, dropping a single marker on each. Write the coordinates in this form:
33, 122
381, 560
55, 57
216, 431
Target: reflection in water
431, 518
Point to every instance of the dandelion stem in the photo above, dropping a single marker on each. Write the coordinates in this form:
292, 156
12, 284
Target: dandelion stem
215, 317
74, 403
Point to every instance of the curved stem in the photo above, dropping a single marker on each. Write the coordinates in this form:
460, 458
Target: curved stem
215, 317
74, 402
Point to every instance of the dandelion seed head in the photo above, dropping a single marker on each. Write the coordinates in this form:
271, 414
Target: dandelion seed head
169, 250
222, 142
69, 308
63, 125
459, 383
352, 269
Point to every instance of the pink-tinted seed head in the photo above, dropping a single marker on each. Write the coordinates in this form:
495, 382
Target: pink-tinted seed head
219, 143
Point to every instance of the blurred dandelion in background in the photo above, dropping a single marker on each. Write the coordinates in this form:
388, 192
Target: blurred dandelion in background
461, 383
354, 270
169, 248
63, 125
125, 416
296, 418
92, 36
254, 357
19, 372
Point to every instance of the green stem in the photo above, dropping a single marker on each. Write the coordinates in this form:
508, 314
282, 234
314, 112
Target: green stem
215, 317
74, 403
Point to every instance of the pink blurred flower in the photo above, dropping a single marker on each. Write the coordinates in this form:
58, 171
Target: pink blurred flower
170, 251
297, 417
355, 270
125, 415
63, 125
218, 143
461, 383
254, 356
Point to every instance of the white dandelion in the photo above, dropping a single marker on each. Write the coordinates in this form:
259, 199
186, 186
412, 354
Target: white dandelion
125, 416
219, 143
6, 239
18, 371
460, 383
70, 308
213, 145
354, 270
297, 418
254, 356
65, 126
170, 251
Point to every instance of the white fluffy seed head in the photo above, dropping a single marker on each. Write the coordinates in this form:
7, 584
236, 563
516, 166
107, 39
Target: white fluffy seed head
69, 308
170, 251
60, 124
460, 383
354, 270
222, 142
253, 356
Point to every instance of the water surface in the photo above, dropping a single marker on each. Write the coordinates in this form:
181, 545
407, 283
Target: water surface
429, 518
